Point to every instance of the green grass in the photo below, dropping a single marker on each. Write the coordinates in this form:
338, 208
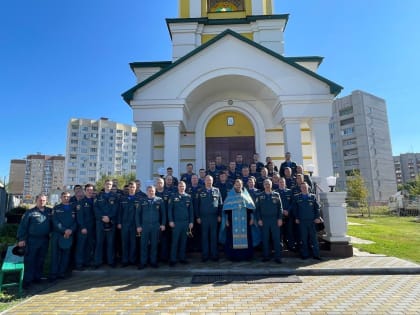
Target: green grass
393, 236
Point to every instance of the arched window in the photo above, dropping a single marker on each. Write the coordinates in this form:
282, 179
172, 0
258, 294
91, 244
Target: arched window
225, 6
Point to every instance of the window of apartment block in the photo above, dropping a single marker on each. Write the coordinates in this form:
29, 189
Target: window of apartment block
347, 121
346, 111
347, 131
74, 127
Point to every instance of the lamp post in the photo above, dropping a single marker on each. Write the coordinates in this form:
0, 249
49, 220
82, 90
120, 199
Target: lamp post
161, 171
310, 168
331, 182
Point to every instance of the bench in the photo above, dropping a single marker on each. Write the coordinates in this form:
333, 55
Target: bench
12, 264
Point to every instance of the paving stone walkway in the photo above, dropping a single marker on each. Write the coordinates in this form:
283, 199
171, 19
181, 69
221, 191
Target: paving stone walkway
332, 286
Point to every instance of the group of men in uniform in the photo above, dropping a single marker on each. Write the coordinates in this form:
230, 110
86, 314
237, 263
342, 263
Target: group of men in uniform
173, 216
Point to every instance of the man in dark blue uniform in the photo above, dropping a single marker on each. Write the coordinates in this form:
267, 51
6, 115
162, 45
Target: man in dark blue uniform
186, 177
64, 227
85, 216
269, 212
165, 236
150, 220
306, 212
181, 218
33, 233
306, 178
290, 179
106, 211
224, 185
127, 224
208, 215
213, 172
288, 163
194, 243
290, 234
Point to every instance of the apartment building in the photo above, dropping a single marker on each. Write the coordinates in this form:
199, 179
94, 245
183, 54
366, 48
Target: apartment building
98, 147
17, 177
407, 167
43, 173
360, 141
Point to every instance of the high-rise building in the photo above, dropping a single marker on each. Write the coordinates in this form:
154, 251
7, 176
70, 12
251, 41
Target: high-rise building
43, 173
98, 147
407, 167
360, 142
17, 177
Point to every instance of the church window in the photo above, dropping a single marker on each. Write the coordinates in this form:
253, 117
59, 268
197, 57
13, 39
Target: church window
225, 6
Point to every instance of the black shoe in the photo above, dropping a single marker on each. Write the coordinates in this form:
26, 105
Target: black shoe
172, 263
317, 258
265, 259
154, 265
216, 259
26, 286
204, 259
278, 260
96, 266
112, 265
304, 257
184, 262
140, 267
79, 268
125, 265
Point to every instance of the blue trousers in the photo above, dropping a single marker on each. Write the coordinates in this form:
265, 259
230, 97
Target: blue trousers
150, 234
85, 248
179, 241
104, 238
308, 238
270, 227
36, 251
128, 243
59, 258
209, 237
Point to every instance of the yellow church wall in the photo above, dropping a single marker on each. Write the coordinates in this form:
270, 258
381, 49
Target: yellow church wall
184, 8
268, 7
218, 127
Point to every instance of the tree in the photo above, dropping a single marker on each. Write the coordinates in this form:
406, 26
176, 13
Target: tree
357, 192
413, 186
122, 180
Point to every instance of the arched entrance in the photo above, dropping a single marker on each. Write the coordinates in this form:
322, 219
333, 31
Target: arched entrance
227, 134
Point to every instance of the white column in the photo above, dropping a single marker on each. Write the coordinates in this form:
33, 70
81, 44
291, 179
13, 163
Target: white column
321, 149
171, 152
144, 163
335, 216
293, 139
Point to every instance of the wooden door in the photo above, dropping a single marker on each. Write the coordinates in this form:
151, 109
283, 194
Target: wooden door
228, 147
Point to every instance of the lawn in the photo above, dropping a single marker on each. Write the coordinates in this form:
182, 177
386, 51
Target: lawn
393, 236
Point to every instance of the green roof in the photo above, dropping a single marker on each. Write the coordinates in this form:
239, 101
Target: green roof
334, 88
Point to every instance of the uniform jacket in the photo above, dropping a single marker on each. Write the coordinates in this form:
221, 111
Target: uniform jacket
209, 202
180, 208
35, 223
306, 207
269, 207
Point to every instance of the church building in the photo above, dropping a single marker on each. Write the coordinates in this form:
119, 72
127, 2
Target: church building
229, 89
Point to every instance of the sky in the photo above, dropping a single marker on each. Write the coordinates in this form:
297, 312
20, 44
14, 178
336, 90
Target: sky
70, 59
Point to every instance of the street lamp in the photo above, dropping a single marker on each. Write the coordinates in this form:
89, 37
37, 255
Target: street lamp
331, 182
161, 171
310, 168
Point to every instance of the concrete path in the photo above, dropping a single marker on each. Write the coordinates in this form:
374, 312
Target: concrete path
362, 284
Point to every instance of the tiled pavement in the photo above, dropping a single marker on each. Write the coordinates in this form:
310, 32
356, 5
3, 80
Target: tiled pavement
362, 284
